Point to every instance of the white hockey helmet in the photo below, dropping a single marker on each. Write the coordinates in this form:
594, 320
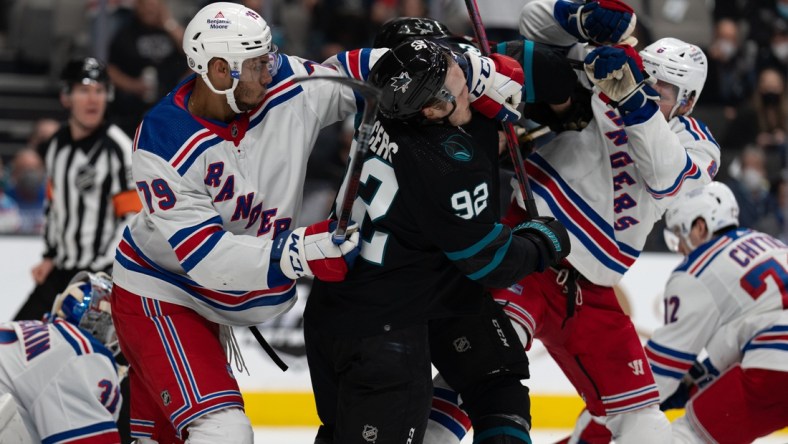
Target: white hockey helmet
714, 203
85, 303
678, 63
228, 31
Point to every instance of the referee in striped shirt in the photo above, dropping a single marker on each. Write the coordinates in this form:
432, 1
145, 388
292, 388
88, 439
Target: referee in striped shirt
89, 189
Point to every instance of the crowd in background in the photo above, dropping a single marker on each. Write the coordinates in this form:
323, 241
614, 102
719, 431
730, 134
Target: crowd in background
744, 103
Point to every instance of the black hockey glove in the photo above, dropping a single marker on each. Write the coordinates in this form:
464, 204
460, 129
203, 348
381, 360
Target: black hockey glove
703, 373
550, 237
679, 398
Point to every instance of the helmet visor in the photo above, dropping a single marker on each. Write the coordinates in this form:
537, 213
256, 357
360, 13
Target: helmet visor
672, 239
445, 95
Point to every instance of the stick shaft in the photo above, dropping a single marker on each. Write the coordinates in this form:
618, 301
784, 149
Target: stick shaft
356, 164
508, 129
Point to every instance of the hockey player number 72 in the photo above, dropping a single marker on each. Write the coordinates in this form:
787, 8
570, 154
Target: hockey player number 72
754, 282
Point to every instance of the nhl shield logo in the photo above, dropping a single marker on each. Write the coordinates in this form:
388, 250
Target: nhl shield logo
370, 433
461, 344
165, 397
86, 178
234, 130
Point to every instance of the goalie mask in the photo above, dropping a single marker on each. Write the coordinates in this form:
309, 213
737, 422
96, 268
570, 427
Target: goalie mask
231, 32
85, 303
678, 63
714, 203
410, 76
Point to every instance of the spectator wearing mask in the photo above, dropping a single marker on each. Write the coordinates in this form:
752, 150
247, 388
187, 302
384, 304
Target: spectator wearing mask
731, 76
764, 121
27, 188
749, 183
9, 211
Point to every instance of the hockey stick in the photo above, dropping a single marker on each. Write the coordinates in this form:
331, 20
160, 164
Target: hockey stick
371, 96
508, 129
268, 349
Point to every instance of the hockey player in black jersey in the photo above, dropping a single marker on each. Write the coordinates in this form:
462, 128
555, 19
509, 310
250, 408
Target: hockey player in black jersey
431, 244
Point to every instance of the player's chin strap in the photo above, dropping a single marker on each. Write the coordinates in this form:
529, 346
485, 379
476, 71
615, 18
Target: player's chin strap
228, 93
442, 121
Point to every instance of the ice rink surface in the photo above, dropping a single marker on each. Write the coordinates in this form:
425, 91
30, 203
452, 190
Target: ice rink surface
288, 435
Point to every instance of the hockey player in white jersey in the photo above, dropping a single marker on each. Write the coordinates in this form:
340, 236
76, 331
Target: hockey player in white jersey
60, 379
729, 297
219, 165
608, 184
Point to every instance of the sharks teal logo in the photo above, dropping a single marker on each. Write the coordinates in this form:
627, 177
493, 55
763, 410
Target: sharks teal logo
401, 82
457, 147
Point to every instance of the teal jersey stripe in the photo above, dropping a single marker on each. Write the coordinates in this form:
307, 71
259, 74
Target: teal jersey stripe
477, 247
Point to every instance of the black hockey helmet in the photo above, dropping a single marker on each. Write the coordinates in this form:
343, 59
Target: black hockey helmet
405, 29
83, 71
400, 29
409, 76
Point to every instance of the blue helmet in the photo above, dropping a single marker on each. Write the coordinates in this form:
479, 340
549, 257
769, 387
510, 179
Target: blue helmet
85, 303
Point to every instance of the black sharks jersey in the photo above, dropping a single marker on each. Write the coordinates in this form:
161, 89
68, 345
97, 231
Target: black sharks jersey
431, 241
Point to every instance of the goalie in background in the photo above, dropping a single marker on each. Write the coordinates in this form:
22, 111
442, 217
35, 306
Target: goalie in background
59, 381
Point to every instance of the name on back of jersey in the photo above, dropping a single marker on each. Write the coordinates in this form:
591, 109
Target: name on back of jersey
381, 144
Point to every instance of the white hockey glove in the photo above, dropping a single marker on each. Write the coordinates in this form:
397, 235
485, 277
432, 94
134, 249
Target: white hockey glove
604, 22
618, 72
495, 85
311, 251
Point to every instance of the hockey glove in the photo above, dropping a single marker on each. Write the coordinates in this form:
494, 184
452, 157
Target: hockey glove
679, 398
602, 22
495, 85
702, 374
310, 251
550, 237
618, 72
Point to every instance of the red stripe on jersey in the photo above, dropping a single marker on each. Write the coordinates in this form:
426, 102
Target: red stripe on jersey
577, 216
195, 240
106, 437
452, 411
77, 335
277, 90
354, 63
651, 395
766, 337
196, 141
136, 137
703, 259
697, 129
129, 252
667, 361
230, 299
